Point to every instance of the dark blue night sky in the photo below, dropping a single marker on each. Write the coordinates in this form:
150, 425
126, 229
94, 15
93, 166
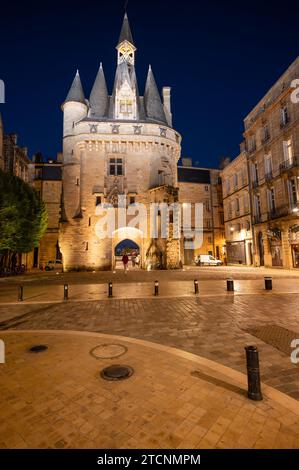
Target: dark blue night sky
218, 57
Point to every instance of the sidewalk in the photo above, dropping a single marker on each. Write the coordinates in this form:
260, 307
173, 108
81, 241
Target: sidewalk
45, 293
57, 399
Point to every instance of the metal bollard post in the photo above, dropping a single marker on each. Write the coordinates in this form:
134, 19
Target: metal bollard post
65, 292
195, 286
268, 283
253, 373
110, 294
156, 287
230, 285
20, 293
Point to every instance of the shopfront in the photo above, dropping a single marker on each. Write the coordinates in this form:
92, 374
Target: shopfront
294, 242
275, 242
236, 253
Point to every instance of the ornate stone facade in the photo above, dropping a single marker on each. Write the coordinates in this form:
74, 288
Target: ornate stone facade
118, 145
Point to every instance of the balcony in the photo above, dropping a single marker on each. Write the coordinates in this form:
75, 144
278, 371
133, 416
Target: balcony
266, 139
283, 211
268, 176
257, 219
285, 122
288, 164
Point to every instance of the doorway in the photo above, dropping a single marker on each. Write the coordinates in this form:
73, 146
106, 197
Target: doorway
260, 244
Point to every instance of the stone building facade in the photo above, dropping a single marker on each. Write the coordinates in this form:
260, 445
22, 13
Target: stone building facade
119, 145
237, 211
272, 147
13, 158
47, 181
203, 186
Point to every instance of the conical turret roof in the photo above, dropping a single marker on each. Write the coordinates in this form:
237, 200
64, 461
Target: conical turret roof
152, 100
76, 92
98, 100
125, 33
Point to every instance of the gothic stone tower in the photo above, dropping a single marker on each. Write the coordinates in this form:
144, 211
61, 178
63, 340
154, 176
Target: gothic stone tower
116, 145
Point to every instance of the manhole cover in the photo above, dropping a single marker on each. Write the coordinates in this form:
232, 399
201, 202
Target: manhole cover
38, 348
117, 372
108, 351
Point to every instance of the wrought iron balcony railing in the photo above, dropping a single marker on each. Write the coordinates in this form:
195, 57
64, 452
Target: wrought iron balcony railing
289, 164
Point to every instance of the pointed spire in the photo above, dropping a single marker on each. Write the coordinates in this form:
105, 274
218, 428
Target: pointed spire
125, 33
152, 100
76, 92
99, 95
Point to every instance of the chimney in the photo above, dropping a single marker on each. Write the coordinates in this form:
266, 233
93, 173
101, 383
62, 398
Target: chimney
167, 105
186, 161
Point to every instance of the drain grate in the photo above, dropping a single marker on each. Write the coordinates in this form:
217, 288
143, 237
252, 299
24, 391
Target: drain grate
277, 336
108, 351
38, 348
117, 372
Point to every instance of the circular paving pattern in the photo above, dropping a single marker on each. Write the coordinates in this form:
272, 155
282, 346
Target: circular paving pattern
108, 351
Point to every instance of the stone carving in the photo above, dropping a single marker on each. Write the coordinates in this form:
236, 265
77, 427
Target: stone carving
137, 130
163, 132
115, 128
93, 128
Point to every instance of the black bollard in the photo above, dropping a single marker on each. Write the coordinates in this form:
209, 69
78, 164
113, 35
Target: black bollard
230, 285
253, 373
195, 286
20, 293
65, 292
268, 283
110, 289
156, 287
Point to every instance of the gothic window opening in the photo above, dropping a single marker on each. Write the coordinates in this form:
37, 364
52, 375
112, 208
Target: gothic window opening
126, 106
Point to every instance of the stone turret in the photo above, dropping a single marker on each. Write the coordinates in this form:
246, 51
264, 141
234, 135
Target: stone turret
74, 107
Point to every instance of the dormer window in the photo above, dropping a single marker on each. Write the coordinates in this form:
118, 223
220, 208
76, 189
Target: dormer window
126, 106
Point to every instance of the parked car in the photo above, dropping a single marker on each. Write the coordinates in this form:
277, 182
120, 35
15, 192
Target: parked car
209, 260
56, 264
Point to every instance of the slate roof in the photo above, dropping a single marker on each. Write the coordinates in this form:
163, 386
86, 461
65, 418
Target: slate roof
76, 92
125, 33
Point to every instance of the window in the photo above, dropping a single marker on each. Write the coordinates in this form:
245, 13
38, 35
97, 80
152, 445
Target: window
209, 223
77, 181
268, 165
266, 132
115, 167
86, 246
288, 150
98, 200
292, 191
132, 199
271, 200
207, 189
125, 106
255, 172
89, 221
207, 206
237, 205
209, 239
257, 204
221, 218
251, 143
284, 116
247, 225
227, 186
235, 180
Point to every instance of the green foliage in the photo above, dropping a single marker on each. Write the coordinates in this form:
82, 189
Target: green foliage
23, 216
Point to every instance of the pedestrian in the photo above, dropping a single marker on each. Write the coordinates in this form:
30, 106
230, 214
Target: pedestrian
125, 260
137, 260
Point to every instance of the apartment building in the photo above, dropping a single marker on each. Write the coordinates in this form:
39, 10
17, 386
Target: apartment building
272, 148
237, 213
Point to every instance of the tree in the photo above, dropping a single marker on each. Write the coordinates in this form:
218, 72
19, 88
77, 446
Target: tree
23, 218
